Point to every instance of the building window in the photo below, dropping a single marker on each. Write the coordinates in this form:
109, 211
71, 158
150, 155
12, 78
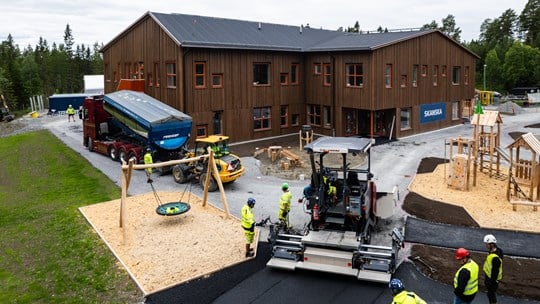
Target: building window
295, 119
217, 81
317, 68
424, 70
388, 75
157, 74
262, 118
354, 75
294, 73
314, 115
284, 78
443, 71
435, 75
415, 75
327, 117
261, 74
403, 81
466, 76
171, 75
327, 68
200, 75
456, 70
455, 110
202, 131
284, 116
405, 122
150, 79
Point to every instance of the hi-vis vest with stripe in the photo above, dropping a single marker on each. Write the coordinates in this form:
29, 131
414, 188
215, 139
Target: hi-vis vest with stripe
472, 284
488, 265
247, 217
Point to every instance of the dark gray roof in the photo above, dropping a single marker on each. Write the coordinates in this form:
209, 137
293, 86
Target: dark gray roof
213, 32
355, 41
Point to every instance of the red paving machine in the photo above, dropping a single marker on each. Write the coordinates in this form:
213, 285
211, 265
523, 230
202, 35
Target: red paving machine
344, 207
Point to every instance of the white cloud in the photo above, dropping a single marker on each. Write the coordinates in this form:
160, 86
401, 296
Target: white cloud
100, 21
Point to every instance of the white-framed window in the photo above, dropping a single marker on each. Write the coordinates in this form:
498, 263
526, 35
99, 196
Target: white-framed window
455, 110
405, 121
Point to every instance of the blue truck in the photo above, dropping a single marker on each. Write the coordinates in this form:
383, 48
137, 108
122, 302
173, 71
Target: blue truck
123, 124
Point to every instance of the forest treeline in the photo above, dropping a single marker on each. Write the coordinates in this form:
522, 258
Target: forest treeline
45, 70
508, 48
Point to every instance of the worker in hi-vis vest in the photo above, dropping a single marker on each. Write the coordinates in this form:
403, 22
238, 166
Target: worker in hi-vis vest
248, 224
466, 278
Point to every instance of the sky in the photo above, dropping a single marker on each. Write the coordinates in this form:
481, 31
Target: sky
101, 21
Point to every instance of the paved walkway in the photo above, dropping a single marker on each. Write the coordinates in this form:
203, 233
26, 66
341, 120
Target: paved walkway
516, 243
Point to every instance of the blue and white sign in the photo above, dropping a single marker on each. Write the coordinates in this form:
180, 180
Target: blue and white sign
432, 112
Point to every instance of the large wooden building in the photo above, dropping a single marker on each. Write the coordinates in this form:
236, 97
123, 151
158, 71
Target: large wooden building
253, 80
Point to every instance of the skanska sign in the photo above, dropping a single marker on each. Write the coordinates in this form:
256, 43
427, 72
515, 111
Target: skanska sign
432, 112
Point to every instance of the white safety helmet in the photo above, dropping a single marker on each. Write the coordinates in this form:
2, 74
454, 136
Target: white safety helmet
489, 238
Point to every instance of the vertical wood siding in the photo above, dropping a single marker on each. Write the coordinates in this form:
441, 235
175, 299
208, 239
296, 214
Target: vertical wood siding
147, 42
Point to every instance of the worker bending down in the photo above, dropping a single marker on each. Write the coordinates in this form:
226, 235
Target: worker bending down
284, 204
248, 224
402, 296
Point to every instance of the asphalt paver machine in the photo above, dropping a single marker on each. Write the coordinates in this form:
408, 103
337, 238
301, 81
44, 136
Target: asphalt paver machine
344, 207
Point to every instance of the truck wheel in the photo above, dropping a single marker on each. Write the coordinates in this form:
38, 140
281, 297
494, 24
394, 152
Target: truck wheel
133, 156
212, 185
113, 153
122, 155
178, 174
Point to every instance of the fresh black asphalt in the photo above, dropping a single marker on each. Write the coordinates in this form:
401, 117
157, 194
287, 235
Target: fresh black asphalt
253, 282
516, 243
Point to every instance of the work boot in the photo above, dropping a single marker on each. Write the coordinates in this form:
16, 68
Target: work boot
149, 181
249, 251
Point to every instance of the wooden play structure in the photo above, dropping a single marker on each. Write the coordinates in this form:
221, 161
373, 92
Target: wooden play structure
487, 138
524, 175
460, 163
127, 170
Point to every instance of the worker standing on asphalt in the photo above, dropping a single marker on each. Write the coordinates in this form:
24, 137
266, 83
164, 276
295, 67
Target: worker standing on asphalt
284, 204
466, 278
147, 161
248, 224
70, 113
492, 267
402, 296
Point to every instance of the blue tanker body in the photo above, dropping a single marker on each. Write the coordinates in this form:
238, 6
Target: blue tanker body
160, 124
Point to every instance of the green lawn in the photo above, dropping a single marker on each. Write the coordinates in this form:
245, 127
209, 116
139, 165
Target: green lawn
49, 253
